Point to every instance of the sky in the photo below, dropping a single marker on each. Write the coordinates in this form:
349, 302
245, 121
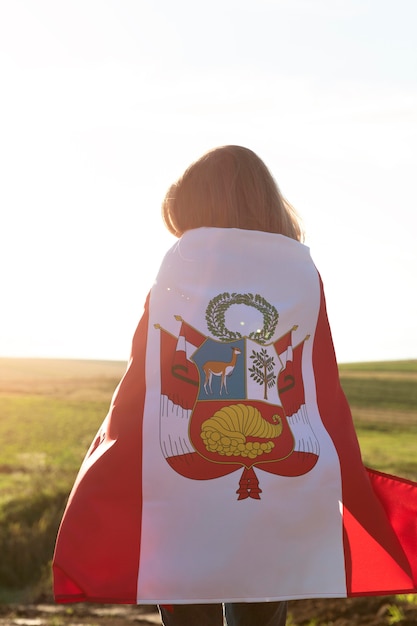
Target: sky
104, 103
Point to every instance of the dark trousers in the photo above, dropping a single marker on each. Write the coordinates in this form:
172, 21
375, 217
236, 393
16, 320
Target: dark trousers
236, 613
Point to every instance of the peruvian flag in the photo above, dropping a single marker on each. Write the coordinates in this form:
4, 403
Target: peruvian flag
251, 488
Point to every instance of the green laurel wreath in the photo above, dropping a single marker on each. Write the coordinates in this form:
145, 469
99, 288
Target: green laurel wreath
216, 311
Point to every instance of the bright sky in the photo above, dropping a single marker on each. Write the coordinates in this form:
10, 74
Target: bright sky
105, 102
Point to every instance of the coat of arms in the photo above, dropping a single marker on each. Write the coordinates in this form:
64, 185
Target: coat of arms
233, 402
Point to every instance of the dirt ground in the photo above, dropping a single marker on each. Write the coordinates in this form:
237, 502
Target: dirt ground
381, 611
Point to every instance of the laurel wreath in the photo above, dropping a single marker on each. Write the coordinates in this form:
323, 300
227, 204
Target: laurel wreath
216, 311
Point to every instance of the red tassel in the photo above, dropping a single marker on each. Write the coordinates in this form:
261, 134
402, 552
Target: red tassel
249, 485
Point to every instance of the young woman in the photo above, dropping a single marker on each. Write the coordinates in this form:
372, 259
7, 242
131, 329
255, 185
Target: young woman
227, 472
228, 187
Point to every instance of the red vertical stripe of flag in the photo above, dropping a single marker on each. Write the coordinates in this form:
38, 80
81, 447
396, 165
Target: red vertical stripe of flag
399, 500
375, 560
99, 540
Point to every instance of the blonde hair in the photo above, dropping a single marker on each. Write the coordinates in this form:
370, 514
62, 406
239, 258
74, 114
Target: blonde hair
229, 187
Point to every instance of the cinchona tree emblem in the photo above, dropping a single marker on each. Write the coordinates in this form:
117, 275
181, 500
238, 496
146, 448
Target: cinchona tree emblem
262, 370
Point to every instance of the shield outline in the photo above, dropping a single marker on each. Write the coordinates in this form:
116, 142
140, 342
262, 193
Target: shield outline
201, 411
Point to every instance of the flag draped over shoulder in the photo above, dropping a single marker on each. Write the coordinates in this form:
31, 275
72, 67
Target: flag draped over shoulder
228, 468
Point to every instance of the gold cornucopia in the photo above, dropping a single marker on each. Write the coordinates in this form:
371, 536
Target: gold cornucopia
226, 431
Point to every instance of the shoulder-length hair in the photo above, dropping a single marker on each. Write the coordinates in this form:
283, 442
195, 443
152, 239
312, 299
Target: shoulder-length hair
229, 187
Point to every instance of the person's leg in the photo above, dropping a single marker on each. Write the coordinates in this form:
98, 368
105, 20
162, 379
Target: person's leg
256, 613
191, 614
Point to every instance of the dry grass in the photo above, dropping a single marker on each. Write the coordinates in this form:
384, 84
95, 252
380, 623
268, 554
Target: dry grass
95, 380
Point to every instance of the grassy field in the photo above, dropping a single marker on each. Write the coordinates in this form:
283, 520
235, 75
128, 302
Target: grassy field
383, 399
50, 411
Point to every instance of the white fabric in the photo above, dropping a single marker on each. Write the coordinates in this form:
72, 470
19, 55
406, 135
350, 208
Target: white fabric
194, 529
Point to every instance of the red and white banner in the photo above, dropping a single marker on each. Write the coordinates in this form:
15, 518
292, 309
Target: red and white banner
228, 468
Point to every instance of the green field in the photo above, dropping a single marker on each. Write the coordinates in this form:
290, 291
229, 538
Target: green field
383, 399
50, 411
